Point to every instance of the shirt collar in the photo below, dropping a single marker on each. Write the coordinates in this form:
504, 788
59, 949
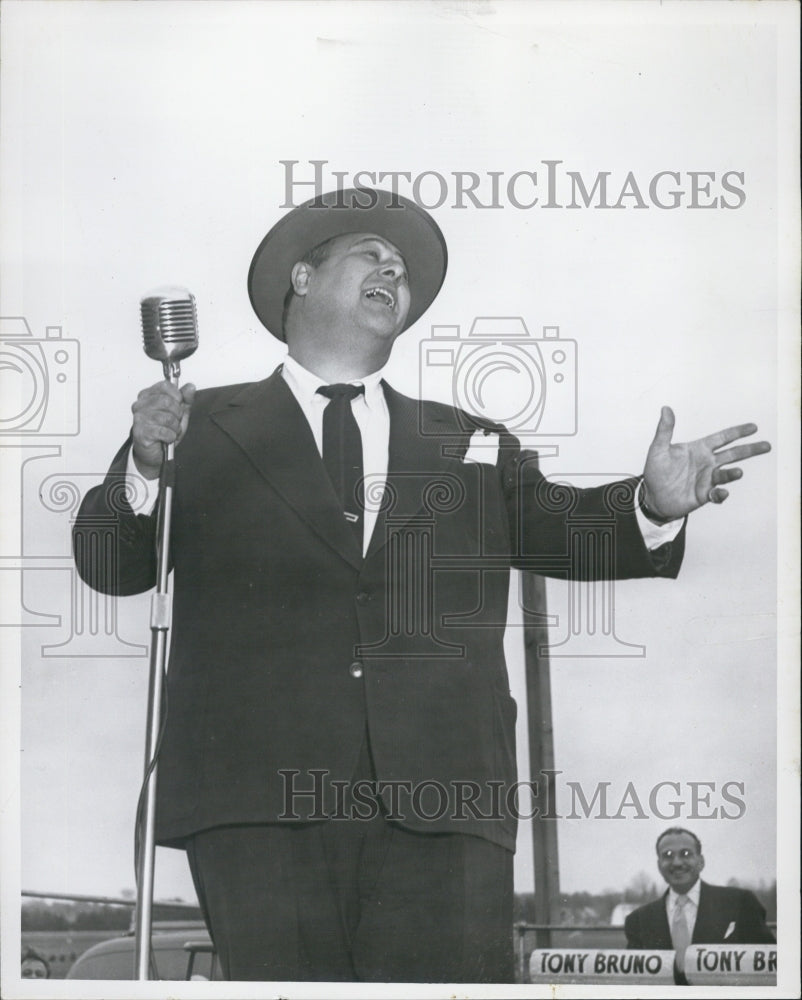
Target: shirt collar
305, 383
692, 894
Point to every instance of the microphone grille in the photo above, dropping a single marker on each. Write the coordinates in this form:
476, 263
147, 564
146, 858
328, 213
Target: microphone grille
169, 324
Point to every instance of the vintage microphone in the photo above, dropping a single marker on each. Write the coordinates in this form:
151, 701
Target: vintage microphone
170, 334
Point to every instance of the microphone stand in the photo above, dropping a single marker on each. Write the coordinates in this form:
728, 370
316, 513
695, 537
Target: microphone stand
160, 618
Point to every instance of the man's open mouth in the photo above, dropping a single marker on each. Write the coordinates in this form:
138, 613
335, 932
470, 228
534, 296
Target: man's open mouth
383, 295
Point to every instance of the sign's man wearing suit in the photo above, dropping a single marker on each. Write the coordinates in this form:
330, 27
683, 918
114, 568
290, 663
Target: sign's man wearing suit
341, 582
691, 911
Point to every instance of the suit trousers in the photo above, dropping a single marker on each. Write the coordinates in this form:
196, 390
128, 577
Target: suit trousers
349, 900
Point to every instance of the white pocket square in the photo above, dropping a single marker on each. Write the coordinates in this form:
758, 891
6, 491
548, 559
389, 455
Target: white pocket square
729, 930
483, 448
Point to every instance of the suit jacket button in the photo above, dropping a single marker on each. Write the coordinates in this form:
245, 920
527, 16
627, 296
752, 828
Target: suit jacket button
362, 597
355, 670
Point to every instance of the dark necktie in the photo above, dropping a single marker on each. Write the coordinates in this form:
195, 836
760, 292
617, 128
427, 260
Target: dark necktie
342, 451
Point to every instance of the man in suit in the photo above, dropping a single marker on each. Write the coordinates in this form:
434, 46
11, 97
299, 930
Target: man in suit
341, 557
692, 911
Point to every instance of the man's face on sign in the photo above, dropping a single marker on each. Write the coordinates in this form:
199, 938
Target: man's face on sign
679, 860
362, 283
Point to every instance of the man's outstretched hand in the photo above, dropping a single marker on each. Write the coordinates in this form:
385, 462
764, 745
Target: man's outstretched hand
678, 478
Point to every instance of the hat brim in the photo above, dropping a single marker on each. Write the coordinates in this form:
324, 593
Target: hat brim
355, 210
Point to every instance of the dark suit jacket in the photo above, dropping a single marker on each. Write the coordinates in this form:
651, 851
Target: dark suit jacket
719, 906
273, 603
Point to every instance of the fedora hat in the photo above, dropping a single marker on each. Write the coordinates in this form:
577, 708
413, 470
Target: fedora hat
352, 210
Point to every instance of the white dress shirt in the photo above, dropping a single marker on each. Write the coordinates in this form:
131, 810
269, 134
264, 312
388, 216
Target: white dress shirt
690, 908
373, 419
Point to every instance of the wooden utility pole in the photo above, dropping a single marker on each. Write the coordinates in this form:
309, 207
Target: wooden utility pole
541, 754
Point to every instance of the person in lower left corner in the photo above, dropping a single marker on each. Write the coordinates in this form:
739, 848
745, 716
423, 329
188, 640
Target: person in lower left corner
692, 911
33, 965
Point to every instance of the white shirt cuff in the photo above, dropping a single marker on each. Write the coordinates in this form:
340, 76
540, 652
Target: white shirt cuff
137, 482
655, 535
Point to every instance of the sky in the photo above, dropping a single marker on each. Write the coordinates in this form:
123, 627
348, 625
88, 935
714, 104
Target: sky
153, 144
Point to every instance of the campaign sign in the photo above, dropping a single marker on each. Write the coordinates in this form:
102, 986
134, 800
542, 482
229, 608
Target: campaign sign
731, 964
601, 965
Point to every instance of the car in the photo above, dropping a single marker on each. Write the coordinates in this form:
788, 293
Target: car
177, 952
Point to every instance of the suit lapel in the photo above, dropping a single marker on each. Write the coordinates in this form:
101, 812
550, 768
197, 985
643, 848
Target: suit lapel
661, 928
415, 461
266, 422
704, 931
